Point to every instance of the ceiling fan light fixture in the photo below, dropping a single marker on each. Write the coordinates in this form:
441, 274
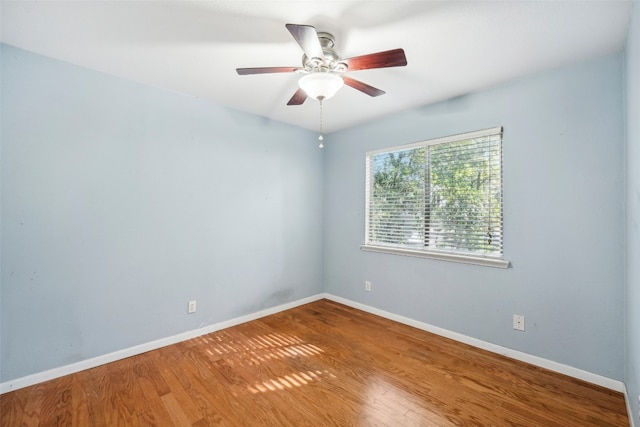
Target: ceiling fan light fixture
320, 85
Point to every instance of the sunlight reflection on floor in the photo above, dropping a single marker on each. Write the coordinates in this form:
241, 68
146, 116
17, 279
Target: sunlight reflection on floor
387, 403
290, 381
264, 348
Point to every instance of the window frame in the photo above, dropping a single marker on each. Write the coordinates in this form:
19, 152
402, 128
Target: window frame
476, 259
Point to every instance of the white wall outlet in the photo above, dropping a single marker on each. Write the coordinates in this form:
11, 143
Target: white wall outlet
518, 322
192, 307
367, 286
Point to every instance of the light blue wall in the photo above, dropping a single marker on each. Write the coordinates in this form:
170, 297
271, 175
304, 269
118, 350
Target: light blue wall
563, 216
121, 202
632, 367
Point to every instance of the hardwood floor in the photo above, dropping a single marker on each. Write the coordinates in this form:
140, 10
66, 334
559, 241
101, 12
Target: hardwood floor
321, 364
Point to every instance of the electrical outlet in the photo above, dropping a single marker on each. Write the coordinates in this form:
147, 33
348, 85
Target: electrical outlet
518, 322
192, 307
367, 286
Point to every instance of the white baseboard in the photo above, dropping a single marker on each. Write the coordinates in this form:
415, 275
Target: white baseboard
629, 408
132, 351
513, 354
39, 377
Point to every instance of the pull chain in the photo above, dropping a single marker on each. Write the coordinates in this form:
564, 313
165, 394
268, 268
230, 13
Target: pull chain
321, 138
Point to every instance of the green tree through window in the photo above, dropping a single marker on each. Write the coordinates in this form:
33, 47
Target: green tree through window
438, 196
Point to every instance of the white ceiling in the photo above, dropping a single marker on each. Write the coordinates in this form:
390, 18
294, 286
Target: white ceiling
194, 47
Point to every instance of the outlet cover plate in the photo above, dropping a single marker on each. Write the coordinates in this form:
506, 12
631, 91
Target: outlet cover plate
192, 307
518, 322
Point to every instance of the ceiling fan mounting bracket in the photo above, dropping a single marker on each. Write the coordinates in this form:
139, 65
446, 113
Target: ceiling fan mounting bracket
327, 41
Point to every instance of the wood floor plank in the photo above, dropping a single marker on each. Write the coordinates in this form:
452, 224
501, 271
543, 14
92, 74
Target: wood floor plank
181, 396
80, 415
156, 413
56, 406
14, 407
148, 369
322, 363
175, 410
88, 385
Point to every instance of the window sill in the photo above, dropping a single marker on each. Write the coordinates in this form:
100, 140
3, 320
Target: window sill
467, 259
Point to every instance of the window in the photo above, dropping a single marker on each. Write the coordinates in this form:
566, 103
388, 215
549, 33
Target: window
438, 199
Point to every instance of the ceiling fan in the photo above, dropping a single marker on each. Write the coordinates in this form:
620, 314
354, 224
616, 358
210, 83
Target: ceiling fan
323, 69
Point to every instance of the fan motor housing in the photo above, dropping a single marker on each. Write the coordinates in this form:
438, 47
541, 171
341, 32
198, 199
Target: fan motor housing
330, 62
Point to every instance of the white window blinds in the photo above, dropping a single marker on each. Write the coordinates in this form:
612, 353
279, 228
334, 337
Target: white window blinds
442, 195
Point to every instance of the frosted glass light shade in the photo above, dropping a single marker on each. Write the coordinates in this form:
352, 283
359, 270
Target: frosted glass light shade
320, 85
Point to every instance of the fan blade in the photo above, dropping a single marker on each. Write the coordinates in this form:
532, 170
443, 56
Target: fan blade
388, 58
362, 87
307, 38
298, 98
266, 70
